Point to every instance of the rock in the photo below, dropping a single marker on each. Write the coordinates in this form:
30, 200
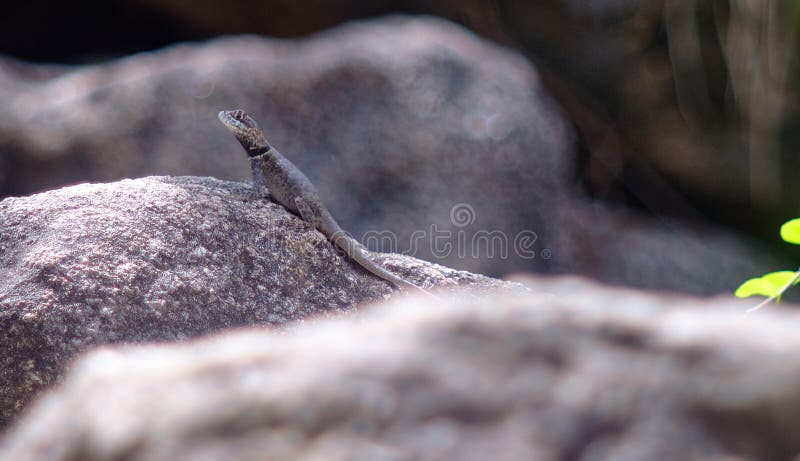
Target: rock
622, 247
422, 138
397, 122
587, 373
159, 259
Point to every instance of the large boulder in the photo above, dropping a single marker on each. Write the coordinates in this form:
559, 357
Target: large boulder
159, 259
396, 121
584, 373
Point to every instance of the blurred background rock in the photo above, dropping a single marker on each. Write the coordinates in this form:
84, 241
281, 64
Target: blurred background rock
681, 110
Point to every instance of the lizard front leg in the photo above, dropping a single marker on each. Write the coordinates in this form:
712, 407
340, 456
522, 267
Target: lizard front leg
259, 185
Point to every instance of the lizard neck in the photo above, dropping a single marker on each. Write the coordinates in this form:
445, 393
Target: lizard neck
258, 151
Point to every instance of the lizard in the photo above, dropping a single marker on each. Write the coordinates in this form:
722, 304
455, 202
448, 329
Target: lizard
295, 192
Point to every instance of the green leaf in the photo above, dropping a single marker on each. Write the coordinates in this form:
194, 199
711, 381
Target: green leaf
790, 231
767, 285
755, 287
779, 278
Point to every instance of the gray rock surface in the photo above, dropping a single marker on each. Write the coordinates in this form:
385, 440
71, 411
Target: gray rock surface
163, 258
585, 373
417, 133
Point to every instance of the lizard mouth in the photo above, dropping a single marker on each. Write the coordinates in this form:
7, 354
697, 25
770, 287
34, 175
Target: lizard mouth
228, 117
246, 131
237, 121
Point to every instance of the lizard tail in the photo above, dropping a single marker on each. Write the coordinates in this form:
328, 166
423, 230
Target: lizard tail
360, 254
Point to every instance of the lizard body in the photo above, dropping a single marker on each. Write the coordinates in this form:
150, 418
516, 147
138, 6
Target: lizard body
292, 189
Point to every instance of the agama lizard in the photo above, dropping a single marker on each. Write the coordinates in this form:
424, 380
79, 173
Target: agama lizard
292, 189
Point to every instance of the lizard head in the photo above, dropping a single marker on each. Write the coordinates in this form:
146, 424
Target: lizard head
246, 131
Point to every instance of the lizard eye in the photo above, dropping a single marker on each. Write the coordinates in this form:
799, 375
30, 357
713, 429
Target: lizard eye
238, 115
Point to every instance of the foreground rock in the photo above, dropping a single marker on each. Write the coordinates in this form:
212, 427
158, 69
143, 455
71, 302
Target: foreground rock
406, 125
162, 259
590, 373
